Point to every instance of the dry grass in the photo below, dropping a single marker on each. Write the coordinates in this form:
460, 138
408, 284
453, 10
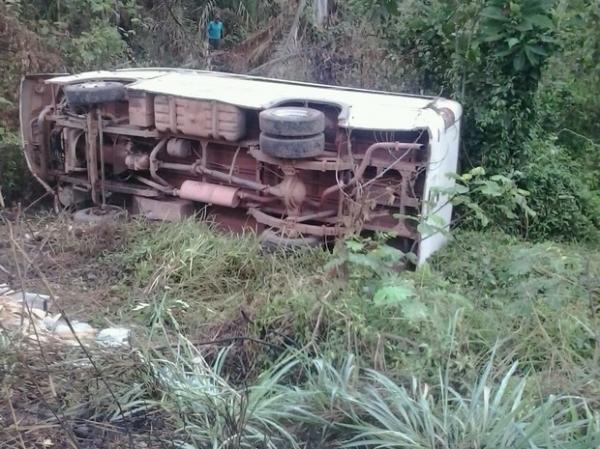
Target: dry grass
53, 393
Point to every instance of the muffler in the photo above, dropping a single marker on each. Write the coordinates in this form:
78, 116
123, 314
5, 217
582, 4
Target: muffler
205, 192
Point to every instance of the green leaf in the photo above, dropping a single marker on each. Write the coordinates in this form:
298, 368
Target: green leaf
524, 26
426, 229
493, 12
531, 56
354, 245
393, 294
479, 214
519, 61
493, 37
541, 20
365, 261
477, 171
537, 50
548, 39
491, 188
414, 311
512, 42
492, 28
501, 179
460, 189
388, 253
506, 52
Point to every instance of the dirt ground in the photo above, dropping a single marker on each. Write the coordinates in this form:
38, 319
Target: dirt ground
60, 255
46, 386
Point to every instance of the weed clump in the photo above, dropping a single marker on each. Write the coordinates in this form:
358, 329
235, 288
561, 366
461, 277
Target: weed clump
205, 278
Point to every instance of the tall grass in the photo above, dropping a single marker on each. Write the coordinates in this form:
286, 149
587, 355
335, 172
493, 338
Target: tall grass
538, 301
194, 258
205, 276
487, 413
210, 411
302, 398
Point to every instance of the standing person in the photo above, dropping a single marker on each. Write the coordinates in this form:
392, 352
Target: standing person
215, 32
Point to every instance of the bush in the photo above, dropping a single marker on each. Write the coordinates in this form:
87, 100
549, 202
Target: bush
16, 182
566, 207
98, 48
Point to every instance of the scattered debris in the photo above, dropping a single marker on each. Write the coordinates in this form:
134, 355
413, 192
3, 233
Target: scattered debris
82, 330
113, 337
32, 320
32, 300
13, 316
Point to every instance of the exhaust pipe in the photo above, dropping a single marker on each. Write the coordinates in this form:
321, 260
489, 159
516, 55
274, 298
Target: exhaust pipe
204, 192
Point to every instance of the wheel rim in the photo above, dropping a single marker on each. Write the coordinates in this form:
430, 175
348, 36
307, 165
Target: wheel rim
93, 85
290, 112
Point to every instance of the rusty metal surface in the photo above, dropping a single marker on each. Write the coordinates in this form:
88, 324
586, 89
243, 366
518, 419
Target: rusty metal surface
366, 160
113, 186
290, 224
303, 188
141, 109
173, 209
327, 162
123, 130
192, 150
91, 154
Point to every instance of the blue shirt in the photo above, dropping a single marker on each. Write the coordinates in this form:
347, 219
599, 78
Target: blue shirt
215, 28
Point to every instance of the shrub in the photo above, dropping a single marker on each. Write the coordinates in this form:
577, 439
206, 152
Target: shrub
16, 183
540, 298
566, 207
97, 48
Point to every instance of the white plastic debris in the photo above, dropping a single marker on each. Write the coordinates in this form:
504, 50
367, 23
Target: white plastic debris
32, 300
35, 322
5, 289
82, 330
113, 337
51, 321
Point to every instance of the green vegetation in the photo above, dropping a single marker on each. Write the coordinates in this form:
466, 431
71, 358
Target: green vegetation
495, 341
494, 344
12, 166
506, 62
485, 304
535, 303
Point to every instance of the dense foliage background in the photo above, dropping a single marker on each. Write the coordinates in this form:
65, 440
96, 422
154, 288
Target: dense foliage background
495, 343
